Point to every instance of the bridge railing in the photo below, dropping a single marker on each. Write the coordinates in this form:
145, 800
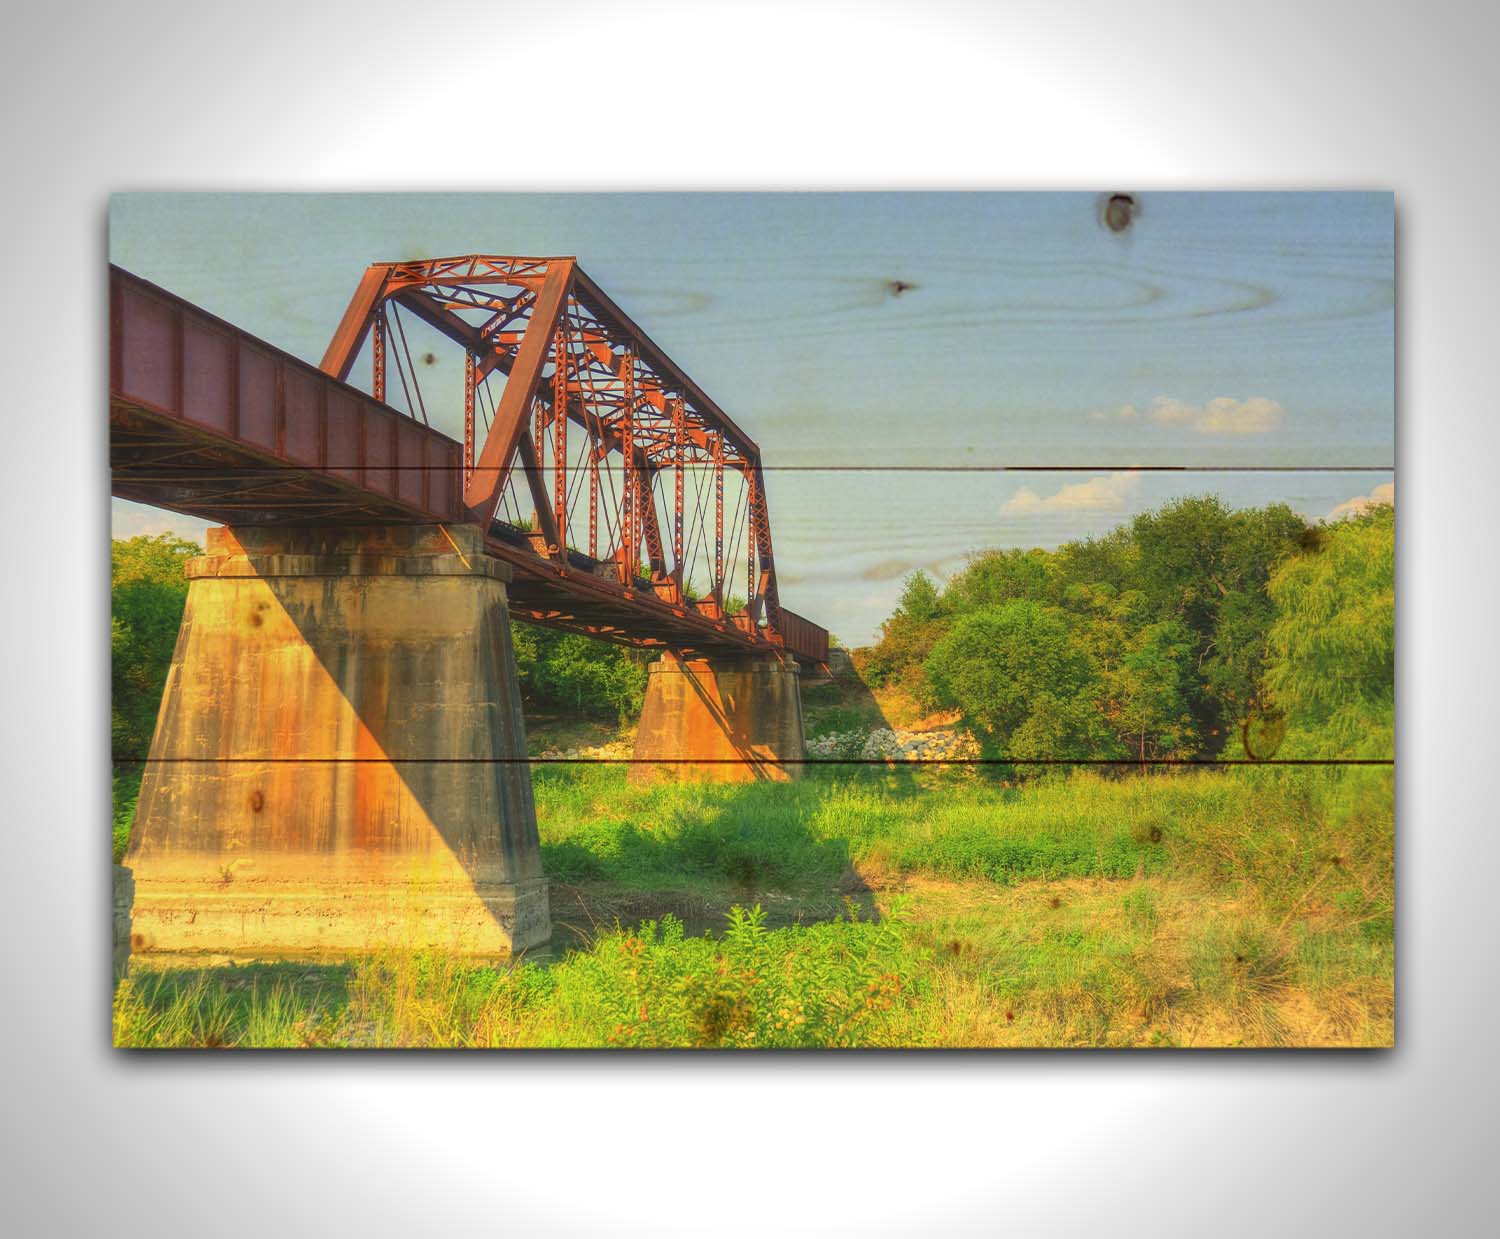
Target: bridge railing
802, 638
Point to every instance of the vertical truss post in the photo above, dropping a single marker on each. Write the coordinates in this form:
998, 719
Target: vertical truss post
631, 483
719, 521
594, 449
468, 415
560, 440
760, 520
679, 426
539, 449
750, 608
377, 361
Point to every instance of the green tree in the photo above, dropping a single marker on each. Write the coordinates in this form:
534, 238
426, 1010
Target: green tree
1000, 576
1260, 539
1209, 567
1149, 690
576, 674
1017, 673
1171, 611
919, 598
1112, 560
1332, 646
1183, 567
907, 636
147, 594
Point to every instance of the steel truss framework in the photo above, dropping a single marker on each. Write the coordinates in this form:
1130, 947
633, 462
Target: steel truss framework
591, 418
631, 505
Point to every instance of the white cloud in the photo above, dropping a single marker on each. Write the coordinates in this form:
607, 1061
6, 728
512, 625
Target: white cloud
1101, 494
1385, 493
1223, 415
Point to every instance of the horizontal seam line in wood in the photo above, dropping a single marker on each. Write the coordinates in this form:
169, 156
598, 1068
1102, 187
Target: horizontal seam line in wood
753, 761
254, 470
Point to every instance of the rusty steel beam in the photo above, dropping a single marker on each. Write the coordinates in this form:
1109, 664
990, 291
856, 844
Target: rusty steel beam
344, 346
207, 420
539, 497
630, 480
431, 313
468, 416
520, 389
600, 303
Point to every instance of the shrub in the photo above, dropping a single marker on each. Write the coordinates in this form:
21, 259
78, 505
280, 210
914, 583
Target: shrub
578, 675
1017, 674
148, 592
1333, 642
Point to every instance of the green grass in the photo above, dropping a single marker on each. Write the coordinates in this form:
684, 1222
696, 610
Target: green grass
1204, 907
843, 718
844, 983
596, 827
1278, 830
1092, 963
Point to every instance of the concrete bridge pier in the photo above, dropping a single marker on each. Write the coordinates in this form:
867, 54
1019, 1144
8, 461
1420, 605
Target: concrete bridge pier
740, 716
339, 761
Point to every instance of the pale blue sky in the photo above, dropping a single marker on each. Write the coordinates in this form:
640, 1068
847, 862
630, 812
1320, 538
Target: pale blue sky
1220, 329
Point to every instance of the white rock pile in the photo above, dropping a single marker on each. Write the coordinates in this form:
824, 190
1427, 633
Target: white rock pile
614, 750
896, 744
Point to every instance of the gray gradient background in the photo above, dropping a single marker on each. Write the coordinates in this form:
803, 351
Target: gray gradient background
934, 95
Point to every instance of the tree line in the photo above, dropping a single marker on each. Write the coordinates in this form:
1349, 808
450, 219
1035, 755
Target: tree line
1194, 631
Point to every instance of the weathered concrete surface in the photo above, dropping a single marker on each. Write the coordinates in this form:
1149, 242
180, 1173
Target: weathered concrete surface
123, 898
338, 764
741, 717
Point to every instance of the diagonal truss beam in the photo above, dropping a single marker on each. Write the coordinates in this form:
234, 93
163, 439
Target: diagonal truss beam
540, 499
353, 327
483, 490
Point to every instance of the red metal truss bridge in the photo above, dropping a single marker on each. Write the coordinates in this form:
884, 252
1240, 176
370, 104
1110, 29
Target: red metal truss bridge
628, 504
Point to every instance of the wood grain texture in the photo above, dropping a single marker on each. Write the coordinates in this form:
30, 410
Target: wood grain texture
912, 329
896, 354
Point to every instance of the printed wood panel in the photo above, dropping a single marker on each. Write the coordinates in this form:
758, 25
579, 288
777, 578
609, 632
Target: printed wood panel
929, 376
